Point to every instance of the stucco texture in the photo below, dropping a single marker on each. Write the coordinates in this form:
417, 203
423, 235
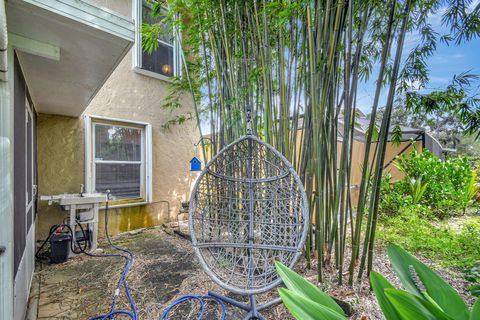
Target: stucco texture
60, 155
130, 96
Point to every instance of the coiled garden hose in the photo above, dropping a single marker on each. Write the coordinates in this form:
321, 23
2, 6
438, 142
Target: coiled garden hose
201, 300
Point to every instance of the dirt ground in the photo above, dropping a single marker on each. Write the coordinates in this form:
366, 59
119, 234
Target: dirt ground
165, 268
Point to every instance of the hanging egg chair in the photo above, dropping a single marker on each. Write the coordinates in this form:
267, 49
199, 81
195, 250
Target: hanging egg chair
248, 209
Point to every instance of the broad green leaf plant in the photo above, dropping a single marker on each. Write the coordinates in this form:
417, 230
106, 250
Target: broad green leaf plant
425, 296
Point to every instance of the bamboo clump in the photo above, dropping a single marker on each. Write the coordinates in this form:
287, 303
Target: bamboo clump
299, 64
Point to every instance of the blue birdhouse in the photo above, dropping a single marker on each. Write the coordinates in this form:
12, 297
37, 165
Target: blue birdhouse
195, 164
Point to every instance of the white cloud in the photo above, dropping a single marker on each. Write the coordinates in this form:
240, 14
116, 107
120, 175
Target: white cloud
458, 55
442, 80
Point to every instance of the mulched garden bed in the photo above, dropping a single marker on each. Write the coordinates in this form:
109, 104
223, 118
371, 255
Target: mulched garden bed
165, 268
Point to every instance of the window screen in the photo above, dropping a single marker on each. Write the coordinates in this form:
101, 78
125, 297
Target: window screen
119, 160
161, 60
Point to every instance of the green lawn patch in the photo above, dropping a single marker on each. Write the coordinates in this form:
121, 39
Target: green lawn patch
457, 246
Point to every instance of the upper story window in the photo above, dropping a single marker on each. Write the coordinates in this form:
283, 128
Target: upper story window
163, 62
118, 154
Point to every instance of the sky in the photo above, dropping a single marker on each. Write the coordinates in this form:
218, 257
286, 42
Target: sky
447, 61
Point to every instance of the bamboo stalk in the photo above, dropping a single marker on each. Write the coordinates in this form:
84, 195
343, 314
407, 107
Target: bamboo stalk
365, 166
296, 61
383, 137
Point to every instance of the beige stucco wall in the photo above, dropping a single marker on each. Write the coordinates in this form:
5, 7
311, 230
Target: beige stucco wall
60, 157
130, 96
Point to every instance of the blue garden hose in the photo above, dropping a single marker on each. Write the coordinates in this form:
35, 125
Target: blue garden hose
129, 257
201, 300
122, 280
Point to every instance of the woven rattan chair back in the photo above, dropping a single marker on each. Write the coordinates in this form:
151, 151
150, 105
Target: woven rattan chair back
248, 209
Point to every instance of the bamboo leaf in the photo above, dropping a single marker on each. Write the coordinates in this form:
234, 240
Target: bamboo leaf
379, 284
443, 294
300, 286
305, 309
397, 134
410, 306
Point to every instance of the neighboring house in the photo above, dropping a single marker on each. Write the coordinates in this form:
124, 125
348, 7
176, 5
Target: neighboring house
80, 105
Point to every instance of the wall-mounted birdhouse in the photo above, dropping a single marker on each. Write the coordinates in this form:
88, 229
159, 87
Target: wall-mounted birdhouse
195, 164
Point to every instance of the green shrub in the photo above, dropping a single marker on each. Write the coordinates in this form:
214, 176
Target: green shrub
447, 187
393, 196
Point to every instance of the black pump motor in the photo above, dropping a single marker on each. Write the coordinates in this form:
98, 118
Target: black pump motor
59, 247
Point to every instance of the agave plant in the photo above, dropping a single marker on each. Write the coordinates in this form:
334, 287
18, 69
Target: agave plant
426, 294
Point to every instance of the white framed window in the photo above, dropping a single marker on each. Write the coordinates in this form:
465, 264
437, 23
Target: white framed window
118, 157
162, 63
